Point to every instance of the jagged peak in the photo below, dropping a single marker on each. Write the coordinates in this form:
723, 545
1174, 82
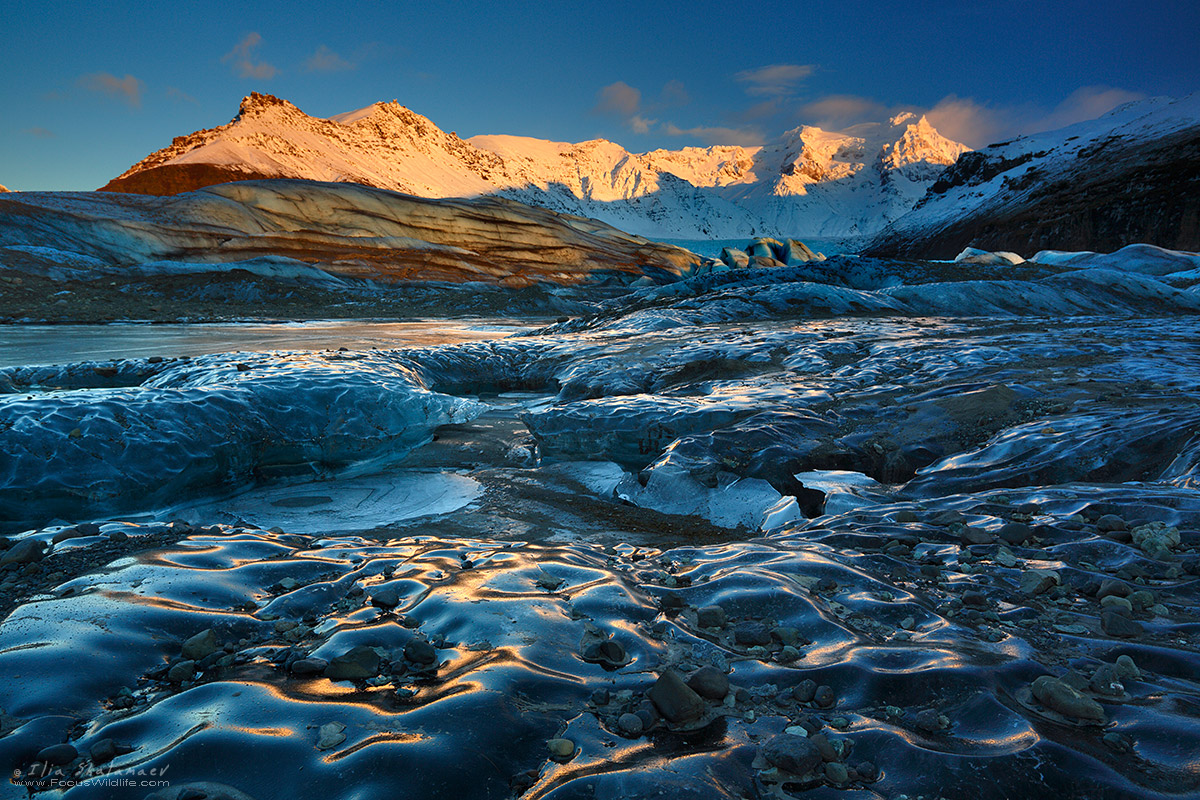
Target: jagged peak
3, 188
908, 118
257, 103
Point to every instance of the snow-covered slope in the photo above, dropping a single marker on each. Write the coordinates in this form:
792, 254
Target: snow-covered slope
1132, 175
809, 182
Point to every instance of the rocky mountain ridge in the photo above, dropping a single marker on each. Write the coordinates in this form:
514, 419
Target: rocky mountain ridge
809, 181
1130, 176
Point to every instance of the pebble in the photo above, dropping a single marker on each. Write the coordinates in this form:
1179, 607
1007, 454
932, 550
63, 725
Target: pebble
630, 724
711, 617
948, 518
1037, 581
1112, 588
26, 551
789, 653
825, 696
1110, 522
1066, 700
971, 535
786, 635
709, 682
1119, 604
824, 747
561, 748
1127, 669
1117, 742
1156, 539
794, 754
1107, 681
200, 646
548, 582
330, 735
1016, 533
183, 671
103, 751
309, 666
1119, 625
57, 754
385, 599
931, 721
837, 773
752, 634
674, 699
974, 597
419, 651
355, 664
606, 651
805, 690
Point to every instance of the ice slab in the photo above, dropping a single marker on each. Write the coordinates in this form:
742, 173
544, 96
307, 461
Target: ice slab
341, 505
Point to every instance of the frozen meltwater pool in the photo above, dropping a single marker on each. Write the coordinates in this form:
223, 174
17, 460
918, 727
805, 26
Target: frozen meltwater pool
25, 345
342, 505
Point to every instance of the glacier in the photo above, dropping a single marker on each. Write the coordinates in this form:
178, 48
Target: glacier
879, 519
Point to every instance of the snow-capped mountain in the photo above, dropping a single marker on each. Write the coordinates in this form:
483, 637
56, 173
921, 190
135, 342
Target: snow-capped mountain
1132, 175
809, 182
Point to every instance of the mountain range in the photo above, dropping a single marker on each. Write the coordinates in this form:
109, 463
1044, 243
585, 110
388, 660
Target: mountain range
1129, 176
808, 181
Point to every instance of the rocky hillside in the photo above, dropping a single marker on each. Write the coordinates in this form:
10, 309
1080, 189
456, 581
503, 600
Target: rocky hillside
344, 230
1133, 175
807, 182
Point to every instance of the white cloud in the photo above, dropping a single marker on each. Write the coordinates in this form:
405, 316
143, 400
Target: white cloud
674, 93
618, 98
838, 111
241, 59
746, 137
967, 120
1088, 102
640, 124
179, 95
978, 124
325, 60
775, 80
128, 88
964, 120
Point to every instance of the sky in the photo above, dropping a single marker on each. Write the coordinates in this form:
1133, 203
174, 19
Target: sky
89, 88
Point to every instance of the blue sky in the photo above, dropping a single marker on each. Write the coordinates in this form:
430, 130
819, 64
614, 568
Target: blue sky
89, 88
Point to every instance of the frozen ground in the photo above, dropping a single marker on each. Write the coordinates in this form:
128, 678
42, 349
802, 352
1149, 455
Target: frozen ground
906, 529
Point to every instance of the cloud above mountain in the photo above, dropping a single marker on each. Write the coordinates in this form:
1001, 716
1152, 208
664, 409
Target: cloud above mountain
326, 60
127, 89
965, 119
775, 80
242, 59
